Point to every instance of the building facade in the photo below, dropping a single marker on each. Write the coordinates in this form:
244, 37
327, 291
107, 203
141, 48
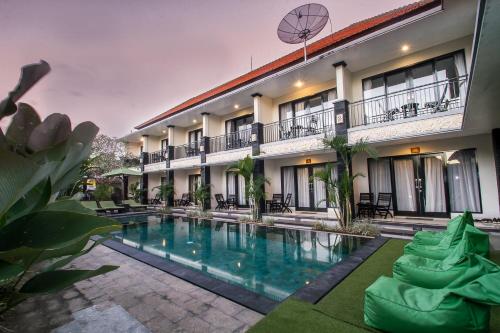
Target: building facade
402, 81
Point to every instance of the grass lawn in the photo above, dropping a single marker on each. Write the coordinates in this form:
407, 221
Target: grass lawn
342, 309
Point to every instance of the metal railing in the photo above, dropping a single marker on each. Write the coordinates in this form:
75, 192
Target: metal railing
425, 99
157, 156
235, 140
187, 150
301, 126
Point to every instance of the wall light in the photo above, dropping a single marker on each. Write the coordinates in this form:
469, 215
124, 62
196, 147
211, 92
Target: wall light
164, 131
308, 161
415, 150
299, 83
236, 106
405, 48
195, 121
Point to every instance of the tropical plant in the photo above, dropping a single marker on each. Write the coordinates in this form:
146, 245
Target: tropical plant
108, 153
165, 191
340, 191
254, 185
103, 192
39, 235
202, 195
135, 191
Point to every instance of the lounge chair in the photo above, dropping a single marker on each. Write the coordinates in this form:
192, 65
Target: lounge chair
221, 203
383, 206
462, 262
184, 201
285, 207
110, 206
365, 204
454, 229
132, 204
92, 205
445, 247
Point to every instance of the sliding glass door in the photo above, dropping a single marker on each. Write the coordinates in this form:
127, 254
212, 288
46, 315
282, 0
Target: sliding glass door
310, 193
235, 186
194, 183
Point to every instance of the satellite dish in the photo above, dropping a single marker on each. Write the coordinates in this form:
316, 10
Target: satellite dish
302, 24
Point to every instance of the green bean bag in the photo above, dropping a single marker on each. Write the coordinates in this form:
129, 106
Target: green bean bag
395, 306
430, 273
479, 240
454, 228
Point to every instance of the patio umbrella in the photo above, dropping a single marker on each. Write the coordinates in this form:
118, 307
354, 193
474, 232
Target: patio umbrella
122, 172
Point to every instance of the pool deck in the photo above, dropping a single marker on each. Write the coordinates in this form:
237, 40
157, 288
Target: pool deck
134, 298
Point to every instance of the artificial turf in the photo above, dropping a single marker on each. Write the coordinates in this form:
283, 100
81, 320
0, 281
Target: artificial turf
341, 310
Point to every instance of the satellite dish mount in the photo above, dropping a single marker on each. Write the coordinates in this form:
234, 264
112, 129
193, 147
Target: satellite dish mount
302, 24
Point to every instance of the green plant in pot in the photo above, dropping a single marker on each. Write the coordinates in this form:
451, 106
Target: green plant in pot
39, 235
202, 195
340, 191
254, 185
135, 191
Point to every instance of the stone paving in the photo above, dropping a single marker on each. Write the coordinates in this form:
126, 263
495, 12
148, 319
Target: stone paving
149, 297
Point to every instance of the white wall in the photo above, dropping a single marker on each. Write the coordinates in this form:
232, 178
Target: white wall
181, 181
484, 156
218, 182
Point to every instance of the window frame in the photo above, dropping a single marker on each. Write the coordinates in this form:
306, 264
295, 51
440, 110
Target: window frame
305, 99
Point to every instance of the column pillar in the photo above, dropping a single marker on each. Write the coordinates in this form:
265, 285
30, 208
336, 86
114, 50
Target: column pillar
205, 140
495, 135
125, 187
258, 170
343, 79
257, 126
169, 155
144, 188
169, 176
205, 181
144, 160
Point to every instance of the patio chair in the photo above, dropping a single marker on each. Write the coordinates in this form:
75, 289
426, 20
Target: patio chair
92, 205
184, 201
383, 206
221, 203
313, 126
285, 206
440, 105
156, 200
365, 204
133, 205
284, 133
232, 202
110, 206
275, 204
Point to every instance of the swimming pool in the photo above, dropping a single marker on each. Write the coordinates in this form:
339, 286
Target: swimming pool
273, 262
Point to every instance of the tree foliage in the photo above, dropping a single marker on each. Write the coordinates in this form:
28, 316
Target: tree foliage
108, 154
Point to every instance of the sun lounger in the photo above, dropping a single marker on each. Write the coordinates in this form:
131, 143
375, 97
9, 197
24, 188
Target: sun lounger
132, 204
92, 205
110, 206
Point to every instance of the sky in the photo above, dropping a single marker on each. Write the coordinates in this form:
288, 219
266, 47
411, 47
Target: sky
120, 62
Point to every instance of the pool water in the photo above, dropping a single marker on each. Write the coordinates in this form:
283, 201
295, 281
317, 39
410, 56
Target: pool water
274, 262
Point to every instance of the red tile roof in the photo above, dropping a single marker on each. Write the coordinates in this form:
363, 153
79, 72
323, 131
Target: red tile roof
334, 40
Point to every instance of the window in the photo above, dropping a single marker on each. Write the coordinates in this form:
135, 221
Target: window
194, 137
307, 105
164, 144
463, 181
239, 124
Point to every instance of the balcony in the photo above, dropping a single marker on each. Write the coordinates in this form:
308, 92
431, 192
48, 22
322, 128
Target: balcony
188, 150
156, 157
235, 140
301, 126
429, 99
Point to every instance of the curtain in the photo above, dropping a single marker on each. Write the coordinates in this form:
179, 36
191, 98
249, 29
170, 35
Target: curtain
463, 181
319, 190
405, 187
332, 95
289, 184
303, 187
380, 177
286, 111
241, 191
231, 184
461, 71
435, 200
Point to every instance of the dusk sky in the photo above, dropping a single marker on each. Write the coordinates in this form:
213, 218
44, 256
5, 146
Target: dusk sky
121, 62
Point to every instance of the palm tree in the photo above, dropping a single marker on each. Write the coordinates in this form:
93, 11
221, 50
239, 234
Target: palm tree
201, 195
165, 192
341, 190
254, 185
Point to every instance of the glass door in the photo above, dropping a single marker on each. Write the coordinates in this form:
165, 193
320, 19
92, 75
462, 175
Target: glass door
311, 193
419, 186
194, 183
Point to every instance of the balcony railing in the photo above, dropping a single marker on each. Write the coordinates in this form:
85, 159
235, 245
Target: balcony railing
414, 102
305, 125
157, 156
187, 150
235, 140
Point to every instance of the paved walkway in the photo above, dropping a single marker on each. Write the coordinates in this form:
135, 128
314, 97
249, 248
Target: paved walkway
134, 298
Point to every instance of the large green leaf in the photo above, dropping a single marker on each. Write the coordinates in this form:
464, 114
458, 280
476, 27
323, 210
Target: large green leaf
30, 75
68, 259
18, 175
31, 201
23, 123
54, 281
51, 230
69, 205
54, 129
9, 272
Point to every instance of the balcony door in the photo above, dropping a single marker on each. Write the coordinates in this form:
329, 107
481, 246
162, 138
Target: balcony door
235, 188
419, 184
310, 193
239, 132
194, 183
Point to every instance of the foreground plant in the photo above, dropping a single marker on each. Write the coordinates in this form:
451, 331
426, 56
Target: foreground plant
254, 185
340, 191
39, 235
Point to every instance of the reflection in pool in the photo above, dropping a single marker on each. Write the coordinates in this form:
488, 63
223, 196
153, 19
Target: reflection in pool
273, 262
